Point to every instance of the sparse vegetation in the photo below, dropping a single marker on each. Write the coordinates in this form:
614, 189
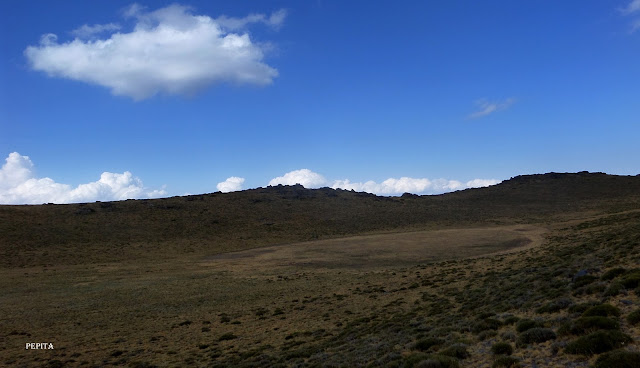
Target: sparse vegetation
356, 301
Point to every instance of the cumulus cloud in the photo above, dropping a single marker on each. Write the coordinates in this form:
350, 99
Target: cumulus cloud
170, 50
18, 185
391, 186
486, 107
305, 177
232, 184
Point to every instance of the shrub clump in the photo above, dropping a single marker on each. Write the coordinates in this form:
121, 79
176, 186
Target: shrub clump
582, 307
506, 362
583, 280
427, 343
585, 325
555, 306
634, 317
486, 324
618, 359
535, 335
598, 342
227, 336
613, 273
457, 351
526, 324
438, 361
631, 279
502, 348
603, 310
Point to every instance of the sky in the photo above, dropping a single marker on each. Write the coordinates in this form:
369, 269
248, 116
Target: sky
109, 100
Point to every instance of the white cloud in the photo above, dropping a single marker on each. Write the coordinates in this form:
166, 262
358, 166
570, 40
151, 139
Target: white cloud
87, 31
275, 20
18, 185
631, 8
306, 177
391, 186
232, 184
486, 107
170, 51
478, 183
394, 186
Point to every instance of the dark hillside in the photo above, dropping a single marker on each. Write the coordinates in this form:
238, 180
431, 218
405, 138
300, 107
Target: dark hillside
217, 222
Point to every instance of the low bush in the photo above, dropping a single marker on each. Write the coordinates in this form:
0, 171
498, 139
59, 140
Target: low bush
438, 361
525, 324
506, 362
613, 273
585, 325
502, 348
598, 342
634, 317
603, 310
583, 280
227, 336
457, 351
427, 343
618, 359
555, 306
631, 279
535, 335
582, 307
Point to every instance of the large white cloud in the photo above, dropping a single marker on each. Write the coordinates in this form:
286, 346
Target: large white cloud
170, 50
391, 186
232, 184
305, 177
18, 185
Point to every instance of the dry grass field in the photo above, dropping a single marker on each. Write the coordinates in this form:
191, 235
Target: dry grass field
416, 289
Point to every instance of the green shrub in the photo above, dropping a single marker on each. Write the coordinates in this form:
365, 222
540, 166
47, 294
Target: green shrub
618, 359
502, 348
438, 361
582, 307
486, 334
614, 289
603, 310
511, 320
486, 324
427, 343
585, 325
535, 335
631, 279
583, 280
506, 362
555, 306
525, 324
457, 351
227, 336
613, 273
634, 317
598, 342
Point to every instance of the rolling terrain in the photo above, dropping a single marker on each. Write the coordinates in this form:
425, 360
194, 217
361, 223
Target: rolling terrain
540, 270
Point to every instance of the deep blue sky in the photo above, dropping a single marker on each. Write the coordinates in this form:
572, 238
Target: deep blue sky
364, 91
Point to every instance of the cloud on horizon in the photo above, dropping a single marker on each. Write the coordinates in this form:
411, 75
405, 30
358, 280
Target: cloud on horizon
232, 184
486, 107
170, 50
19, 185
391, 186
